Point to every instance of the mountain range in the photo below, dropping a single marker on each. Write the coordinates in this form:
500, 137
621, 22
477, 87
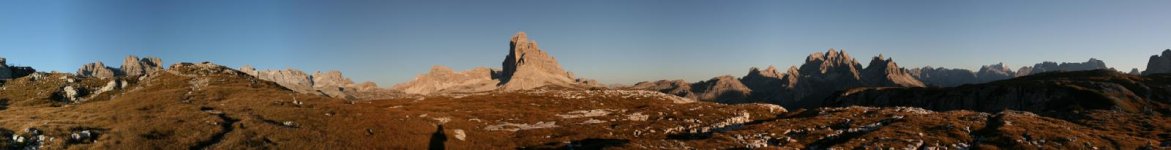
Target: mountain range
831, 101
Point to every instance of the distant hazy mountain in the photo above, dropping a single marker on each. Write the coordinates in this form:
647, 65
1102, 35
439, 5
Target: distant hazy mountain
819, 76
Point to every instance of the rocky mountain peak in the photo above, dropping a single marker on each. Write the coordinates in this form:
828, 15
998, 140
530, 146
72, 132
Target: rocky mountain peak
830, 62
885, 72
527, 66
770, 72
996, 68
96, 69
332, 78
1159, 63
133, 66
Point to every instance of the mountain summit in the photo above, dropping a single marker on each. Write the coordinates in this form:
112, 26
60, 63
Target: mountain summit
525, 67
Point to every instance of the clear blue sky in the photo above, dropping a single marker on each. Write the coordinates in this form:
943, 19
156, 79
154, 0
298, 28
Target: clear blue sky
619, 41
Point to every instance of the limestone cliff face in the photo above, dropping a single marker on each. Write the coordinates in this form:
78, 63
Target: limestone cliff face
96, 69
525, 67
293, 79
329, 83
442, 79
133, 66
332, 78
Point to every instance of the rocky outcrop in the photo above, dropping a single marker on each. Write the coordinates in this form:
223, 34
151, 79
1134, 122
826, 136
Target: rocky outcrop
133, 66
525, 67
723, 89
674, 87
293, 79
1047, 92
1134, 71
202, 69
330, 79
329, 83
528, 67
1159, 63
11, 72
442, 79
96, 69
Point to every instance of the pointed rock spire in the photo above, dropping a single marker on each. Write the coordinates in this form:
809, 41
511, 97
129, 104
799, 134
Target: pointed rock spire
527, 66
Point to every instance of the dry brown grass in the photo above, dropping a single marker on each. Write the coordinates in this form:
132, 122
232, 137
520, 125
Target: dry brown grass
224, 111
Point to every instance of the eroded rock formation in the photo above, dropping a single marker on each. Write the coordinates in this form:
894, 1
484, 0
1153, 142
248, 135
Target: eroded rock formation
442, 79
96, 69
525, 67
329, 83
132, 66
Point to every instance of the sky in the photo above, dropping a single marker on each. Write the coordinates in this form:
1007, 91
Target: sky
613, 41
